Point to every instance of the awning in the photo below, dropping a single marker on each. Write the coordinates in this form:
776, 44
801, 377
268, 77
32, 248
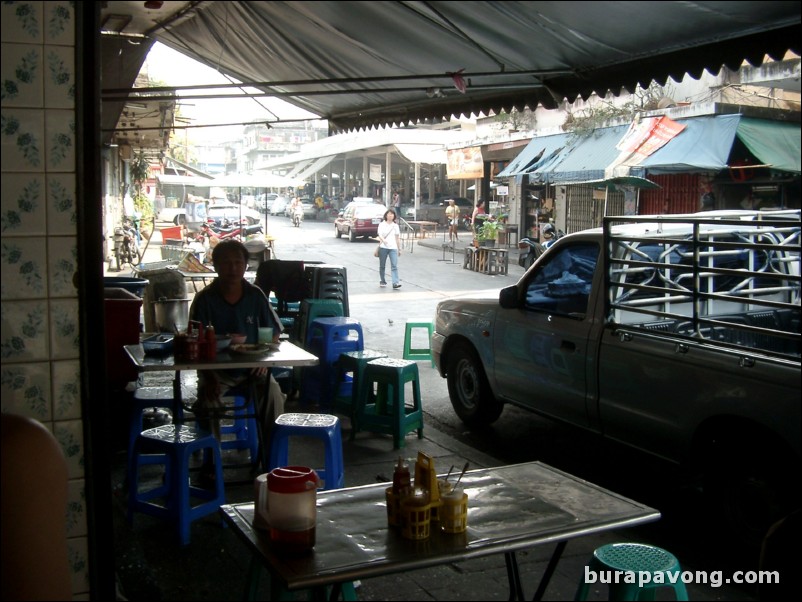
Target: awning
423, 153
773, 143
184, 180
241, 180
316, 166
703, 146
584, 158
537, 150
614, 183
298, 167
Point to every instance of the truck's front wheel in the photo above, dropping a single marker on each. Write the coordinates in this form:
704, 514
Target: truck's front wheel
469, 389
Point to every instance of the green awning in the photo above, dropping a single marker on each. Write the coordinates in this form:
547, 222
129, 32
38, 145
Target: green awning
772, 142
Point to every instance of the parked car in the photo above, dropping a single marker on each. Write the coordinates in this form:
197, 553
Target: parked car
359, 219
279, 205
217, 212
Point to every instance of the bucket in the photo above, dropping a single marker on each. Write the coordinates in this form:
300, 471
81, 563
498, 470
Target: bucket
132, 285
171, 314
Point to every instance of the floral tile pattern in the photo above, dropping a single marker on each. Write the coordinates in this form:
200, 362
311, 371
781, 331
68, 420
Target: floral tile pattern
24, 262
24, 331
22, 76
78, 551
66, 395
60, 140
62, 256
70, 437
58, 20
64, 331
76, 508
61, 216
22, 22
59, 80
26, 390
22, 133
23, 210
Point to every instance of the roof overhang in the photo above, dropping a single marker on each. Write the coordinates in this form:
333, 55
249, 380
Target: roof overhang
370, 64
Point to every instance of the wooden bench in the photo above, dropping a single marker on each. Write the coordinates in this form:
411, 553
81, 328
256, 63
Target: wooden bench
421, 228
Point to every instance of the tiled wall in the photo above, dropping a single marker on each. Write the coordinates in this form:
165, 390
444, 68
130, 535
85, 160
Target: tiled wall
38, 255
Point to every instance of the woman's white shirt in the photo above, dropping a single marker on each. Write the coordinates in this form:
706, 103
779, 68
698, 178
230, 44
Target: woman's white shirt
387, 235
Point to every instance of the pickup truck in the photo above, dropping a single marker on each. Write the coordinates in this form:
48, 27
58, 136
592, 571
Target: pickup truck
677, 335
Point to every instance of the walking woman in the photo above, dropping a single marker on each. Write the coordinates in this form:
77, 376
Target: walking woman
389, 246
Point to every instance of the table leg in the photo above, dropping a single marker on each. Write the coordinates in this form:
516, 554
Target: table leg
550, 568
513, 576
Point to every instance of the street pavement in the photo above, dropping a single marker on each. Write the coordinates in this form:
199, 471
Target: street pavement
150, 565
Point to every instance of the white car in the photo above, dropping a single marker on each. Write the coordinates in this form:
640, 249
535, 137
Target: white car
218, 212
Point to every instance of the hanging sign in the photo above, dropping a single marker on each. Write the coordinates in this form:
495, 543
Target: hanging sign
465, 164
376, 172
502, 190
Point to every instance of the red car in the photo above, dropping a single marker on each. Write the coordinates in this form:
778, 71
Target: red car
359, 219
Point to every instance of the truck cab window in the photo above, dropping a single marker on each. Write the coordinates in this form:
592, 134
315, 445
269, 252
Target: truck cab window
562, 284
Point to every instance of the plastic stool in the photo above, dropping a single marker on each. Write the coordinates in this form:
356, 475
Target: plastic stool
243, 428
348, 395
145, 398
321, 426
635, 558
177, 443
390, 414
312, 309
327, 338
411, 353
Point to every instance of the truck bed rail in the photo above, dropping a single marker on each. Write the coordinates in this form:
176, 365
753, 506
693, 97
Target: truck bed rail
732, 278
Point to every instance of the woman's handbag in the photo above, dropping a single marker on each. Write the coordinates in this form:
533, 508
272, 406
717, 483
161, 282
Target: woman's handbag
376, 251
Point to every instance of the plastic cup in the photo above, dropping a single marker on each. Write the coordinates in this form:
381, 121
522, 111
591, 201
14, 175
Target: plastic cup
265, 335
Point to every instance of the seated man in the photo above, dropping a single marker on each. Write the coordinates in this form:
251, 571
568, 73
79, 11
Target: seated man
232, 305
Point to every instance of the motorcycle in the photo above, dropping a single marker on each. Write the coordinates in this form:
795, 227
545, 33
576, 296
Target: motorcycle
228, 231
126, 249
535, 249
297, 216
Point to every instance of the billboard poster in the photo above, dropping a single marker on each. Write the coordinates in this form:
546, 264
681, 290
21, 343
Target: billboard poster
465, 164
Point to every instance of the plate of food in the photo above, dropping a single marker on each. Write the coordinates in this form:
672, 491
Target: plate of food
253, 348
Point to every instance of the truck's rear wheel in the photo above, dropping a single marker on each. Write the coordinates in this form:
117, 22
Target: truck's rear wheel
469, 389
750, 485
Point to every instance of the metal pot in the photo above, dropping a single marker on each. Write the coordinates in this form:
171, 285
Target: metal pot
171, 314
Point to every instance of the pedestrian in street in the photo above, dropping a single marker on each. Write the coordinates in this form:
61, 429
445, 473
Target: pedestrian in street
452, 218
397, 205
389, 246
478, 210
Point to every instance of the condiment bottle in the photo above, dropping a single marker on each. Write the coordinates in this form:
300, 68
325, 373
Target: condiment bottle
211, 343
401, 478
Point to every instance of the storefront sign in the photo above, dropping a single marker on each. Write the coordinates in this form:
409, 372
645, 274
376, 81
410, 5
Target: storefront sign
502, 190
465, 164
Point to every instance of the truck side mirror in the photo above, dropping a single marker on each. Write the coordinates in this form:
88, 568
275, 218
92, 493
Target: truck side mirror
508, 297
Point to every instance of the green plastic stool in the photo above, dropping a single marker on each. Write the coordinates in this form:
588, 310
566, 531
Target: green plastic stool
348, 402
390, 413
420, 353
639, 559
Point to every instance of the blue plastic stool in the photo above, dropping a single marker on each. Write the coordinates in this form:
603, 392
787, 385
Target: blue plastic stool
145, 398
351, 393
418, 353
243, 427
390, 413
311, 310
321, 426
176, 443
635, 558
327, 338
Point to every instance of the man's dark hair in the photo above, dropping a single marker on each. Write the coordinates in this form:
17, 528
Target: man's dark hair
232, 246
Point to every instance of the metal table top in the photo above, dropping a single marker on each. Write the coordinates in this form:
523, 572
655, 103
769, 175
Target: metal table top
510, 508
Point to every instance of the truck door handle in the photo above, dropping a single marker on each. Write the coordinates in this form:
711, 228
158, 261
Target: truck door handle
568, 346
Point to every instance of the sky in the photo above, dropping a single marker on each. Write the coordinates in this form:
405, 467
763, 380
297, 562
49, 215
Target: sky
175, 69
